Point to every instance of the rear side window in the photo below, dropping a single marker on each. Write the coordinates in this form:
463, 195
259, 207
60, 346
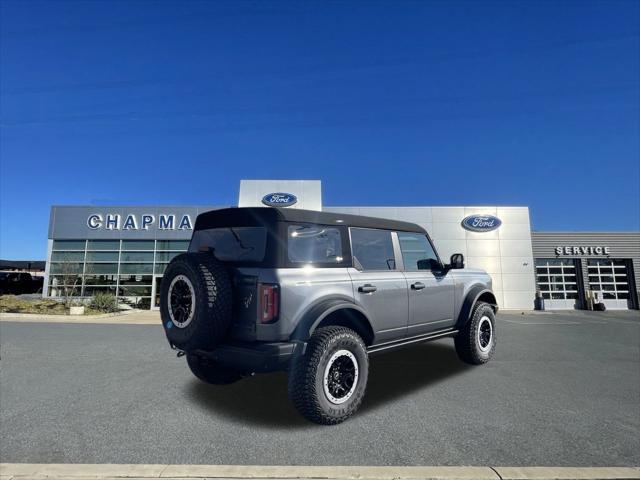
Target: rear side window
372, 249
232, 244
312, 244
416, 247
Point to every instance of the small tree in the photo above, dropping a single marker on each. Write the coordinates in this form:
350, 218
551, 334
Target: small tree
69, 273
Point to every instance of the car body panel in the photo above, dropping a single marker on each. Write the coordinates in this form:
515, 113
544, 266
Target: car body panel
430, 308
387, 306
300, 290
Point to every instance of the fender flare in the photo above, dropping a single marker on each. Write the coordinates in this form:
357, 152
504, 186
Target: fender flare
310, 319
470, 300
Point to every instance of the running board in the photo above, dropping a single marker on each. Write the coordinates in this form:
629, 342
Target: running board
407, 341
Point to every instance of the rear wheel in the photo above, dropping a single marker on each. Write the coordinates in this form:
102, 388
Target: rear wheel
211, 372
196, 302
476, 341
327, 384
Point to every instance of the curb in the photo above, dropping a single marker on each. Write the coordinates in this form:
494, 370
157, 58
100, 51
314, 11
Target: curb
65, 315
567, 473
127, 317
24, 471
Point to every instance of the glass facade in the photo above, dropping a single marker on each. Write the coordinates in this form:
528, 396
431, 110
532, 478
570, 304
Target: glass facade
125, 268
557, 278
564, 282
609, 278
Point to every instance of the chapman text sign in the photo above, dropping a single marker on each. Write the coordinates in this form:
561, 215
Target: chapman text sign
114, 221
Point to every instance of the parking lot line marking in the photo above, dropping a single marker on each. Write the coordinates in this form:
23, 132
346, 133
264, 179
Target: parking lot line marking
615, 320
583, 320
539, 323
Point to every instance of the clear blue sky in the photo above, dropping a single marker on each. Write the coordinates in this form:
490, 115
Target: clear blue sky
388, 103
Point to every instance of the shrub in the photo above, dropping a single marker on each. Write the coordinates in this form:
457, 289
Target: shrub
104, 302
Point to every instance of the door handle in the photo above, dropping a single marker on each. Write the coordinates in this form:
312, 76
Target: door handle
417, 286
368, 288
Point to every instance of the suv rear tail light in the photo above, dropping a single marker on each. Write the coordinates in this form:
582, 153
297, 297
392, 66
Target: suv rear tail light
269, 302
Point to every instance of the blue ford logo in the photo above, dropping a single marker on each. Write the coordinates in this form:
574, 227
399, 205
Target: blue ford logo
481, 223
279, 199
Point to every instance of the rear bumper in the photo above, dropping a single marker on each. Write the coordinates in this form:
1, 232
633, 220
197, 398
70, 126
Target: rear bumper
255, 356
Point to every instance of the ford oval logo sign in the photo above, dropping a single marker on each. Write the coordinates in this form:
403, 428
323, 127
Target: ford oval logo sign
481, 223
279, 199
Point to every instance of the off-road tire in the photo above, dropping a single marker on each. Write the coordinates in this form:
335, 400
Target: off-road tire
467, 341
211, 372
306, 376
213, 302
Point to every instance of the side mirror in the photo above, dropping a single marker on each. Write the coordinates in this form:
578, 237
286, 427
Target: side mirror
429, 264
457, 261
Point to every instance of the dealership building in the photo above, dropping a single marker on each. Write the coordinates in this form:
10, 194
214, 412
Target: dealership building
125, 250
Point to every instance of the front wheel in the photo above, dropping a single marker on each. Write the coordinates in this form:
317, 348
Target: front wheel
327, 384
476, 341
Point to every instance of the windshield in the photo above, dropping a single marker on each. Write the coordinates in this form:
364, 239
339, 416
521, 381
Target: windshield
232, 244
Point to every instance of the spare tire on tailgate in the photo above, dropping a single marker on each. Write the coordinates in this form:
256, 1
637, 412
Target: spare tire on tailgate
196, 301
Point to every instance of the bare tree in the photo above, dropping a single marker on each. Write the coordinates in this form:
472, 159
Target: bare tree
68, 278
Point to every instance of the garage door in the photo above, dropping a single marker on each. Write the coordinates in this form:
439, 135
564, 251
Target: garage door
558, 283
610, 280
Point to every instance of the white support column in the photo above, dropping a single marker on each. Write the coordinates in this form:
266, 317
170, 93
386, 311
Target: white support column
47, 268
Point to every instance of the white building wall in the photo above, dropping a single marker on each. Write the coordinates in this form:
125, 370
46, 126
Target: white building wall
47, 268
505, 253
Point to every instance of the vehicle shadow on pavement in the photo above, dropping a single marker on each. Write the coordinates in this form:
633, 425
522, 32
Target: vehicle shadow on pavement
259, 400
400, 373
262, 399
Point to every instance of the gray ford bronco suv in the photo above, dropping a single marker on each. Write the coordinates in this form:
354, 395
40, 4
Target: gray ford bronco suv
315, 293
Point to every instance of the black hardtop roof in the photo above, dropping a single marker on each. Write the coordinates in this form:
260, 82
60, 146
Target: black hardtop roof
250, 216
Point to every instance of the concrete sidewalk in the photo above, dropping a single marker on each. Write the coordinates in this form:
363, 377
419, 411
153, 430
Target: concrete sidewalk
126, 317
22, 471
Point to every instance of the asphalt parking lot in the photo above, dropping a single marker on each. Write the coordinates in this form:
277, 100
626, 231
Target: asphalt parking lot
563, 389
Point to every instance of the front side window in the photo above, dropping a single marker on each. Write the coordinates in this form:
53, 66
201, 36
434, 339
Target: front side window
232, 244
417, 252
372, 249
313, 244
